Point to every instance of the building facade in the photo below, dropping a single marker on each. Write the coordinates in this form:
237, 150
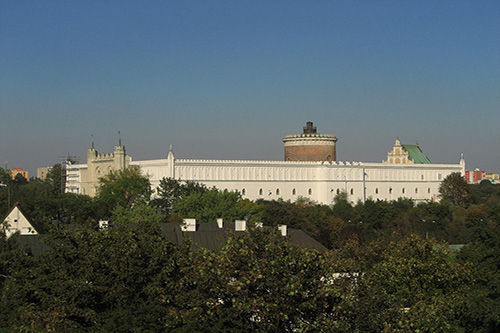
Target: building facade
318, 180
475, 176
19, 171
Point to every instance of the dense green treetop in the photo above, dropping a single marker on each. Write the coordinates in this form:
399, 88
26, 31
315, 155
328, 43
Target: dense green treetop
171, 190
454, 188
125, 188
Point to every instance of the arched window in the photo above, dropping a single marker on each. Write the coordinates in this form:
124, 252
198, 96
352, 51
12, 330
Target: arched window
260, 192
352, 191
416, 190
376, 191
293, 192
390, 190
277, 191
403, 190
338, 191
310, 191
243, 192
429, 190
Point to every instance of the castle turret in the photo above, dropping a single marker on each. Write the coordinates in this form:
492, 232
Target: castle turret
119, 157
310, 145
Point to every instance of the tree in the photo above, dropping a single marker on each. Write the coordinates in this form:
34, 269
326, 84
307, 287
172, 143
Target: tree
455, 189
483, 311
54, 180
125, 188
5, 177
171, 190
208, 206
342, 208
93, 281
417, 278
260, 282
20, 180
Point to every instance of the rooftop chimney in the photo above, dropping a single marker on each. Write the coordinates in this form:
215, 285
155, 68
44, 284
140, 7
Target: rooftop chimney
240, 225
188, 225
103, 224
282, 229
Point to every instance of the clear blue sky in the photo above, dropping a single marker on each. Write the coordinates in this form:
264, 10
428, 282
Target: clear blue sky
228, 79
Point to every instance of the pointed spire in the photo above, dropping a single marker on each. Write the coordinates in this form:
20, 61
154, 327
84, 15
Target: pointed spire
170, 153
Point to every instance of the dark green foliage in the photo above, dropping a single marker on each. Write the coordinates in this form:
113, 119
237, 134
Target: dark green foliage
484, 297
454, 188
129, 278
171, 190
342, 208
95, 280
484, 190
19, 179
210, 205
54, 180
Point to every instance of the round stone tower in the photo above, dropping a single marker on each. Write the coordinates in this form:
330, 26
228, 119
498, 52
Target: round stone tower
310, 146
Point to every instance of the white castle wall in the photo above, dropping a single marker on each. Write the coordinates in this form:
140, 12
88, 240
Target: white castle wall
319, 181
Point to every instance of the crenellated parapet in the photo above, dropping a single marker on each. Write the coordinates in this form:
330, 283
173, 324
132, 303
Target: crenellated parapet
103, 157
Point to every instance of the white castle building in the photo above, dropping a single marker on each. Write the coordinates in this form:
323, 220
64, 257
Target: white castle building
310, 170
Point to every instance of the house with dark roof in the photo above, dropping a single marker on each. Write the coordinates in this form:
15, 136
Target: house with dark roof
17, 220
214, 235
19, 225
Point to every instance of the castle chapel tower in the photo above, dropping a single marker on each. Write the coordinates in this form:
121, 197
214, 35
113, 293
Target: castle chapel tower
310, 146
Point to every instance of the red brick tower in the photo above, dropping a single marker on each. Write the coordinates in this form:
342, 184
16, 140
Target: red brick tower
310, 146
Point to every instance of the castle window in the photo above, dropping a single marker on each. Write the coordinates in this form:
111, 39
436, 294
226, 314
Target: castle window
338, 191
422, 177
310, 191
390, 190
376, 191
293, 192
352, 191
277, 191
416, 190
403, 190
429, 190
243, 192
260, 192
